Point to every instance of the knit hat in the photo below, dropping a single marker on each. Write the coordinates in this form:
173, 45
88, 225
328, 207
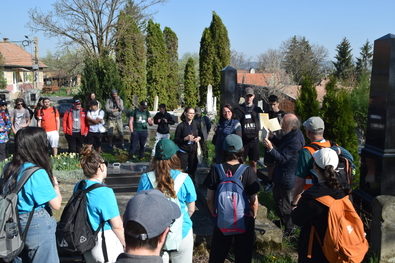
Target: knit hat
165, 149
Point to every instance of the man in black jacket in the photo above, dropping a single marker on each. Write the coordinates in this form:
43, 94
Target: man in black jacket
163, 119
248, 115
286, 155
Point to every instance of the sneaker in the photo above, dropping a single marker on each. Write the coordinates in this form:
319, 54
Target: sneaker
123, 147
269, 187
111, 147
287, 232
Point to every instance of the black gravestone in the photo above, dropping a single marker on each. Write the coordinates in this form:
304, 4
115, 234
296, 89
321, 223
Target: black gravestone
378, 155
229, 88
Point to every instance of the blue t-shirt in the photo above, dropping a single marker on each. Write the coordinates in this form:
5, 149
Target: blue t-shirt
187, 194
37, 191
101, 205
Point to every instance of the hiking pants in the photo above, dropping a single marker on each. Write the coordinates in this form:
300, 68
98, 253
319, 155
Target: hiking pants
75, 142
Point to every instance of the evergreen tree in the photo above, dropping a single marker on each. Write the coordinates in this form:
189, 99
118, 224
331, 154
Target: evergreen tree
338, 117
364, 62
214, 56
307, 105
3, 81
131, 57
190, 88
206, 58
360, 102
344, 66
171, 41
157, 66
100, 76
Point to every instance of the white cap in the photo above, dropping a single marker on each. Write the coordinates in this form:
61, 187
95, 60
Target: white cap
326, 156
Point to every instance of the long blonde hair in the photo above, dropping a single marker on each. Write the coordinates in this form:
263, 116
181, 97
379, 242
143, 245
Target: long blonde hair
162, 168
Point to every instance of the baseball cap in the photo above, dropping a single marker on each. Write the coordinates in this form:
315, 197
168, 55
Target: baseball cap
314, 124
163, 106
232, 143
326, 156
165, 149
77, 102
144, 103
198, 110
114, 91
93, 102
3, 102
153, 211
248, 91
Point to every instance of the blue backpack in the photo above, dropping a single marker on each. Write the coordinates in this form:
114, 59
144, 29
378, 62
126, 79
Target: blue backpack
231, 207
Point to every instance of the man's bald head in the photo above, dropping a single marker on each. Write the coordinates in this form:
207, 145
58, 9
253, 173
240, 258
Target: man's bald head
290, 122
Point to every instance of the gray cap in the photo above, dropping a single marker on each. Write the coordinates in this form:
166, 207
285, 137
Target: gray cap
114, 91
248, 91
152, 210
198, 110
314, 124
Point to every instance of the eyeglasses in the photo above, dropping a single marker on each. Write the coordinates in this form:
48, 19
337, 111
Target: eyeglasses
172, 222
20, 104
105, 162
191, 113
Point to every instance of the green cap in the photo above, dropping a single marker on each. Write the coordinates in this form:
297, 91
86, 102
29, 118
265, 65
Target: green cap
233, 143
165, 149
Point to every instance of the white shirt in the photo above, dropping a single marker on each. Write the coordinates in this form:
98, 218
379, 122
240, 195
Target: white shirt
94, 115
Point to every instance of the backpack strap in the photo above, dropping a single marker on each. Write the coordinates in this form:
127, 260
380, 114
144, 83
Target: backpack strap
25, 176
326, 200
101, 226
239, 172
178, 181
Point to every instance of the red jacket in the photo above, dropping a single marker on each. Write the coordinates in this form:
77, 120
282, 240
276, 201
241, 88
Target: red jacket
68, 122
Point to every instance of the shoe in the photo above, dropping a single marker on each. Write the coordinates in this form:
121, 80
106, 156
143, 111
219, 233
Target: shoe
269, 187
123, 147
287, 232
111, 147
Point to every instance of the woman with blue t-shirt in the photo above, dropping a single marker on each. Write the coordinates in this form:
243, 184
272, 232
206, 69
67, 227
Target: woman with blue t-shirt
165, 174
228, 124
40, 194
101, 206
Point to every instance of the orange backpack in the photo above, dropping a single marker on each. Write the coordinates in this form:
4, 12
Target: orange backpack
344, 239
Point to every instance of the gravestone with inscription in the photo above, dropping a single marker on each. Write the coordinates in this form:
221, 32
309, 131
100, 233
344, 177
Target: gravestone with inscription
229, 89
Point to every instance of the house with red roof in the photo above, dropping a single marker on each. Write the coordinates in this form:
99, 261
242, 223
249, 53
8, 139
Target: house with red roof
20, 68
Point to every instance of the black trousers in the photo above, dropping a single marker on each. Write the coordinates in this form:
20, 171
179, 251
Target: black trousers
282, 200
243, 245
75, 142
188, 160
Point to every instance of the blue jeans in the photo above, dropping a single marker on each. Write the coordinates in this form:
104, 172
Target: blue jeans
138, 136
40, 243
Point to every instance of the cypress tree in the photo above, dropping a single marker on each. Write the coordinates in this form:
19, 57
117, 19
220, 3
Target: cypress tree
190, 88
157, 66
364, 62
171, 42
206, 58
89, 79
307, 104
131, 57
344, 66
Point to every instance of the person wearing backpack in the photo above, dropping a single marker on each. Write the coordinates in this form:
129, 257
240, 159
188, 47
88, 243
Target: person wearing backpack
248, 185
49, 120
39, 195
166, 176
101, 206
312, 215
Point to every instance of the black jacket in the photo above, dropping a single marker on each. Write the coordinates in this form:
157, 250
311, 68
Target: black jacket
163, 127
311, 212
286, 155
183, 131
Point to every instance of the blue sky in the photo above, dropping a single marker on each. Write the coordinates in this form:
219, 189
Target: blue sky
253, 25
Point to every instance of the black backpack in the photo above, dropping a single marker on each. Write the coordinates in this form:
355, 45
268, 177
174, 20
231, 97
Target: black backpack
12, 240
74, 233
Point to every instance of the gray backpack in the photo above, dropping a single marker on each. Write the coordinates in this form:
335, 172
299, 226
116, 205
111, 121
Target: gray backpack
174, 236
12, 240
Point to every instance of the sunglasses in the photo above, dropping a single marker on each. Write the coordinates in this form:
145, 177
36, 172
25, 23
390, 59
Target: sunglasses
20, 104
105, 162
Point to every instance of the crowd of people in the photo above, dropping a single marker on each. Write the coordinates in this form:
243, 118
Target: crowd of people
166, 192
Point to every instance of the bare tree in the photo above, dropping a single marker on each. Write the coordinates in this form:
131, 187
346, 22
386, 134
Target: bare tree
88, 23
239, 60
270, 61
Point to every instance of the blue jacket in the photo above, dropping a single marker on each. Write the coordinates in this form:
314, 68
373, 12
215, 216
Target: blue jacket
286, 156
